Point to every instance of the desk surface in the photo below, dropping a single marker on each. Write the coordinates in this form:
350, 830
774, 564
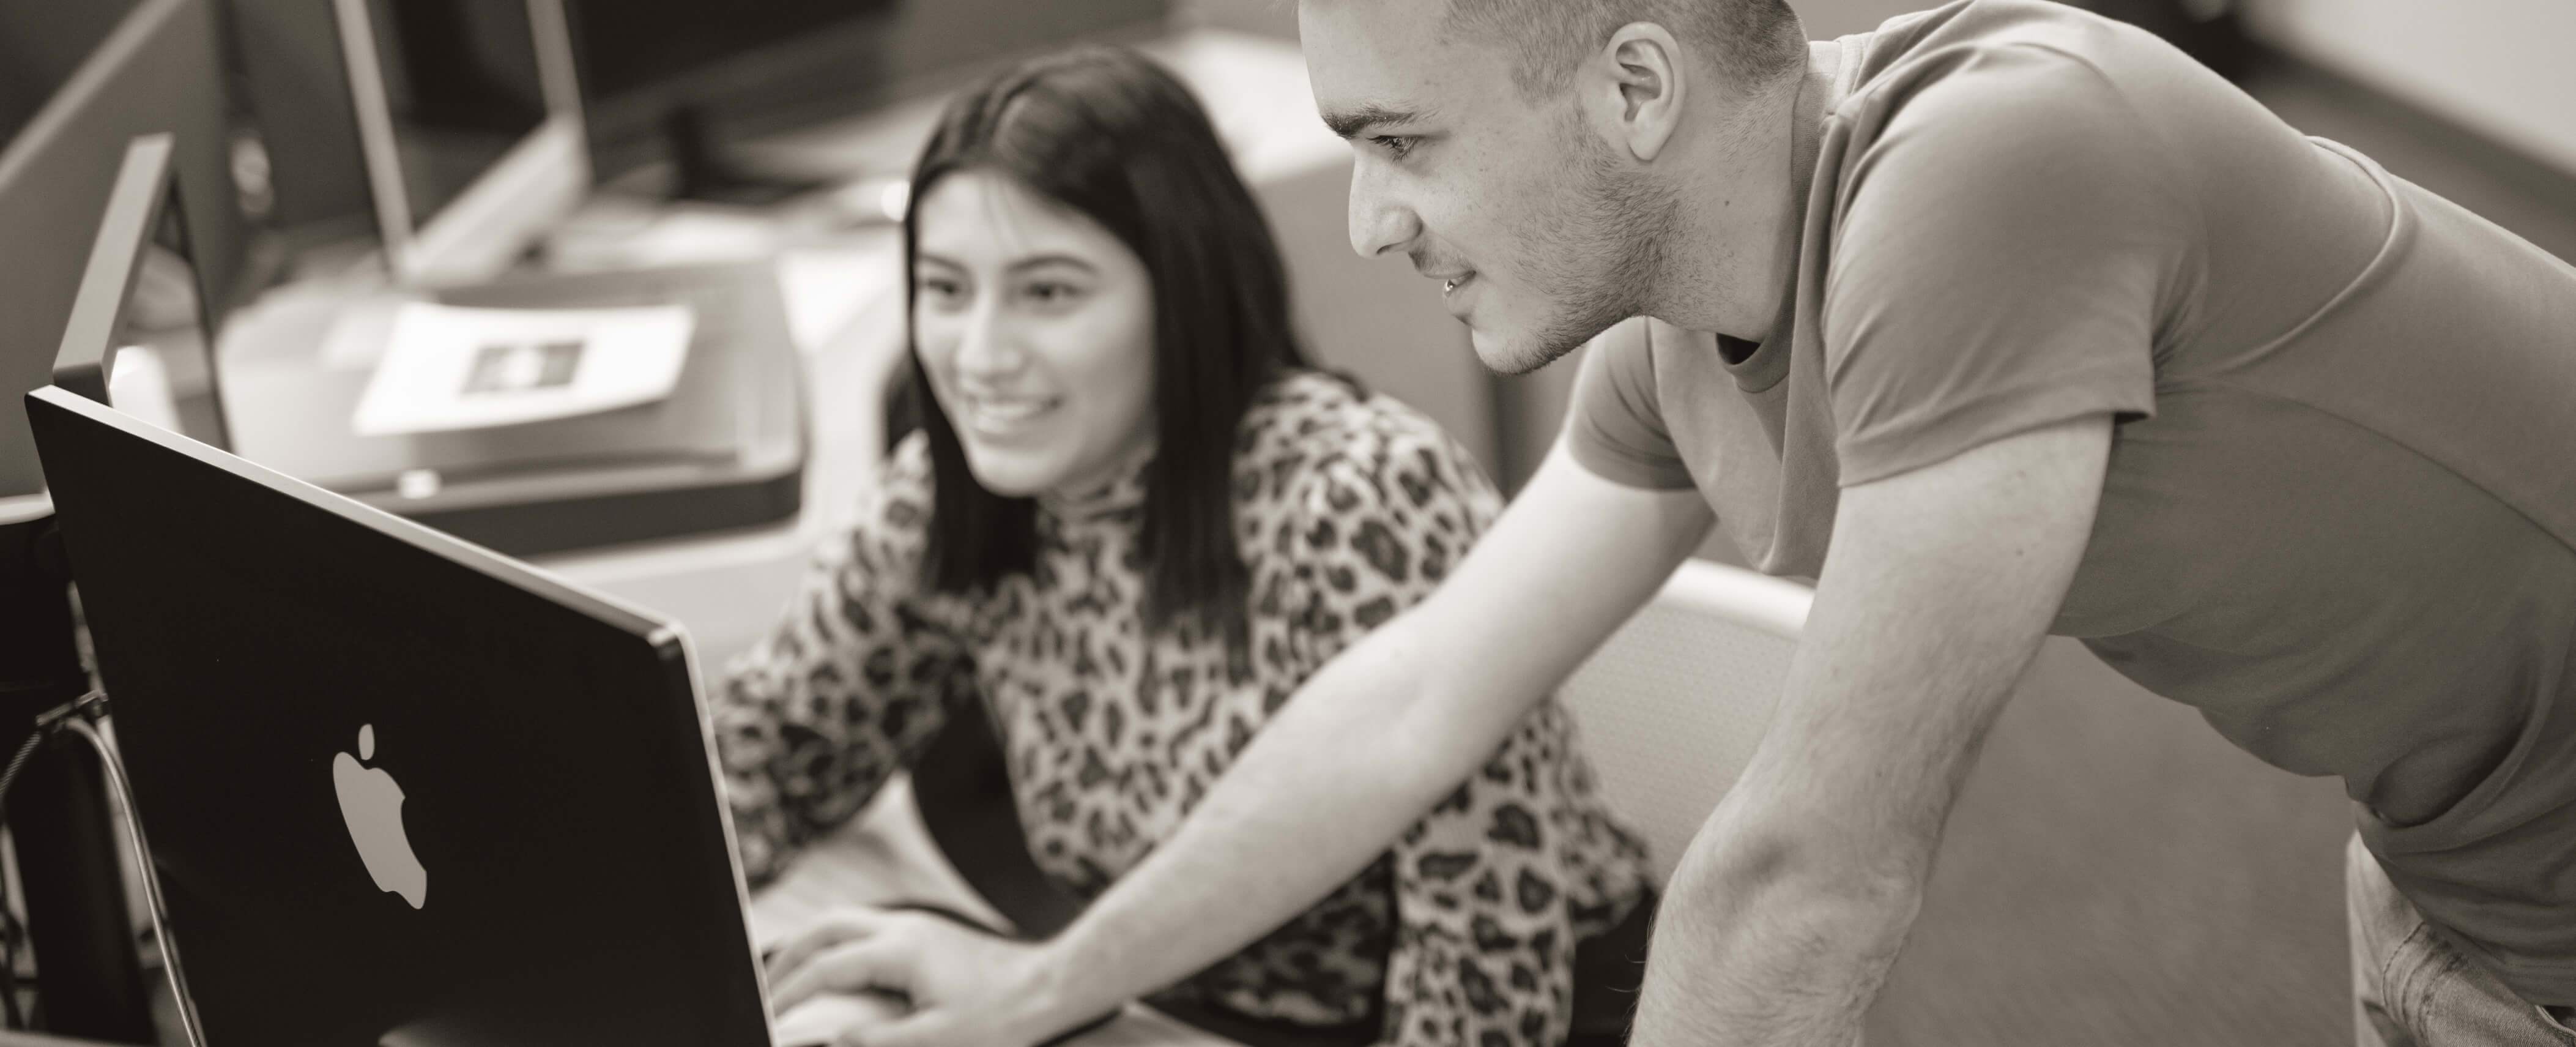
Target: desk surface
887, 856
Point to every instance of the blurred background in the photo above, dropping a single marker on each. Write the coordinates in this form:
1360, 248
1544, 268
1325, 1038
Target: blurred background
2115, 873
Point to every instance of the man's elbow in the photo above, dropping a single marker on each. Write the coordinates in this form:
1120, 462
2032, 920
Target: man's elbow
1786, 894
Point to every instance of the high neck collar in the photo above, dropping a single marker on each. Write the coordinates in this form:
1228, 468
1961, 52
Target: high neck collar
1125, 489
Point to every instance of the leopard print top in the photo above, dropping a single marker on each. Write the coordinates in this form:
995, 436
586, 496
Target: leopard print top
1351, 507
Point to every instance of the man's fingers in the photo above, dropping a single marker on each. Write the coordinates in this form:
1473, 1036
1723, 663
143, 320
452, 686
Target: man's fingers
838, 926
855, 966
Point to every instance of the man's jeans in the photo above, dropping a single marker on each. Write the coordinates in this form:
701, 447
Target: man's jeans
2410, 988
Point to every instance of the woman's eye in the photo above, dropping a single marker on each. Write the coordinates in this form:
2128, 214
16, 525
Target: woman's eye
939, 289
1050, 292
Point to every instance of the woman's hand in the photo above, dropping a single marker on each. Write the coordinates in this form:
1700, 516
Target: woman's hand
965, 986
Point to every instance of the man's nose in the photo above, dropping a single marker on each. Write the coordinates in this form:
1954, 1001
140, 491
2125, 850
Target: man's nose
1379, 221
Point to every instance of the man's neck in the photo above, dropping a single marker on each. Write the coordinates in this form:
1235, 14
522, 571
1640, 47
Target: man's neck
1742, 212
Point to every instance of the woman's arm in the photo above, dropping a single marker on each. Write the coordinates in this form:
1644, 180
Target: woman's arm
843, 691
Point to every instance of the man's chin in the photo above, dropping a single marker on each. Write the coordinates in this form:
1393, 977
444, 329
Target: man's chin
1518, 353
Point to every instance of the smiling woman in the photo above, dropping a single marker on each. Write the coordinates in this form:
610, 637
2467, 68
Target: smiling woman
1133, 523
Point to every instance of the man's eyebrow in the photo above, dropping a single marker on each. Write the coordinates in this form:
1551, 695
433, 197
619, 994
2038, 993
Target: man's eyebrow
1349, 123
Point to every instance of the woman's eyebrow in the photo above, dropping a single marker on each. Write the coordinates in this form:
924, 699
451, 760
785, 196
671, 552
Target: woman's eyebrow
1041, 261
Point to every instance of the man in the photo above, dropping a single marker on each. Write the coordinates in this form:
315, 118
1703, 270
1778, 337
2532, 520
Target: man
2001, 321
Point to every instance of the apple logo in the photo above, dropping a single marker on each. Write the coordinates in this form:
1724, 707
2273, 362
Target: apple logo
372, 804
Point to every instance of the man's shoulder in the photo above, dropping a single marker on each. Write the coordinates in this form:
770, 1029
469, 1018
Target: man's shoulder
2018, 63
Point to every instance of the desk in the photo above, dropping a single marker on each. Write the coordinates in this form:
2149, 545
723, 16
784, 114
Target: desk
886, 856
845, 311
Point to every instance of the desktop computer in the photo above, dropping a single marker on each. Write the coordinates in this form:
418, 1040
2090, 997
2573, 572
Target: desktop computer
469, 113
399, 790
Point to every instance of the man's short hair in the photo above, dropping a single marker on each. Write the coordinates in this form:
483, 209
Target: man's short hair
1753, 43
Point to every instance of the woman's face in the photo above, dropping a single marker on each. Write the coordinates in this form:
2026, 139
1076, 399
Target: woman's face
1036, 326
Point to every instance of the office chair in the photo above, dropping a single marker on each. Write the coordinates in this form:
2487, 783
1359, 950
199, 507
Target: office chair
1669, 709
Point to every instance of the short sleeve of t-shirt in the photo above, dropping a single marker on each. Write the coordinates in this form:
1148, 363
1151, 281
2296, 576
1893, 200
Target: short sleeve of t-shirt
1989, 277
1614, 426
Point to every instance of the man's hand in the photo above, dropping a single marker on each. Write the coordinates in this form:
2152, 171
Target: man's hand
964, 985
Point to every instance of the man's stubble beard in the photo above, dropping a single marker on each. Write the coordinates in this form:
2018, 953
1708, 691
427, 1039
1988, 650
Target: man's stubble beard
1600, 245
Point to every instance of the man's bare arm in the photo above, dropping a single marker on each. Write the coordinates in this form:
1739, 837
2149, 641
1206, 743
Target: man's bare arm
1381, 733
1780, 924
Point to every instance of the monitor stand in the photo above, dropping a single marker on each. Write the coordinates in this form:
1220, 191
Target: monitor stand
59, 819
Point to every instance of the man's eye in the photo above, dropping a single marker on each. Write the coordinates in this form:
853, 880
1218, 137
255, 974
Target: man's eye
1396, 146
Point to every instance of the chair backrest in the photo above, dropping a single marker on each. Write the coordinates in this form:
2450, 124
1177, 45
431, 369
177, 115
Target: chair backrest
1671, 706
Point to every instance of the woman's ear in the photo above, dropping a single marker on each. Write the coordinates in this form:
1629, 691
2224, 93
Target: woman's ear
1633, 90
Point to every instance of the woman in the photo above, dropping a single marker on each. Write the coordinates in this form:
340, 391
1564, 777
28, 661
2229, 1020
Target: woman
1133, 522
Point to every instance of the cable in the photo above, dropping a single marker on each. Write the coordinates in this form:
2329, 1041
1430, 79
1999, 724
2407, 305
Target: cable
45, 727
9, 967
187, 1005
19, 762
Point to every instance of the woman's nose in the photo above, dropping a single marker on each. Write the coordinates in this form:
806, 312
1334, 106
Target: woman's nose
986, 347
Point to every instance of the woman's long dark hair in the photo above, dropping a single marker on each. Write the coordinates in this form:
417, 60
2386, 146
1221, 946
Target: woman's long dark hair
1111, 135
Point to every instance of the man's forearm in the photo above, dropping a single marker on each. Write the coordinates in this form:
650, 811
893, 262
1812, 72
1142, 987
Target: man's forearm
1359, 754
1378, 736
1755, 944
1785, 915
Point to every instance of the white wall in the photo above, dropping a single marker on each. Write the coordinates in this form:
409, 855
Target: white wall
2498, 67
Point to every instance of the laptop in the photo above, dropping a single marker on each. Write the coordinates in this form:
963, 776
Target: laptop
400, 790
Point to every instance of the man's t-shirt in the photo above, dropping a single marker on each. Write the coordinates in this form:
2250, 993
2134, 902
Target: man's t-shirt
2340, 514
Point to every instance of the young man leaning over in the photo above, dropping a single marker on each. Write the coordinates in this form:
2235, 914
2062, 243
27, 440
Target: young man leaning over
2001, 321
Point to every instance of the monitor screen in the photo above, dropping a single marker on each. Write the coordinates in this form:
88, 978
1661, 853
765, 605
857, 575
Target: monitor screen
469, 117
462, 88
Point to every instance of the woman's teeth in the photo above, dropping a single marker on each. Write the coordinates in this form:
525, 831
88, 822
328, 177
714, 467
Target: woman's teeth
993, 414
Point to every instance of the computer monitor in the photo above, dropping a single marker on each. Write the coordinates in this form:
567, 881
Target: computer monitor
40, 46
469, 113
157, 71
399, 790
740, 72
138, 338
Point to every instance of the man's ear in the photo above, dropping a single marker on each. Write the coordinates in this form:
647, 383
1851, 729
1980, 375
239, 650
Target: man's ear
1633, 89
